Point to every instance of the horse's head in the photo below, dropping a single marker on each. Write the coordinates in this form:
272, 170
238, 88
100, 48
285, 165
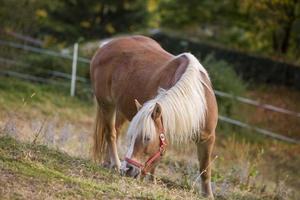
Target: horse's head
146, 138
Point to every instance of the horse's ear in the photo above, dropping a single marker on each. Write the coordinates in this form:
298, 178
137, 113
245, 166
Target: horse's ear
156, 112
137, 104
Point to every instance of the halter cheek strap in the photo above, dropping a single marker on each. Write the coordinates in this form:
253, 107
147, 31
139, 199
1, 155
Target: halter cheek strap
153, 159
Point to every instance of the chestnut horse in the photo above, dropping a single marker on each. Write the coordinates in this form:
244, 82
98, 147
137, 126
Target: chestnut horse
178, 105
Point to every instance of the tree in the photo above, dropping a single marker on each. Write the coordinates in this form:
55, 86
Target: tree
264, 26
93, 18
18, 15
276, 19
71, 20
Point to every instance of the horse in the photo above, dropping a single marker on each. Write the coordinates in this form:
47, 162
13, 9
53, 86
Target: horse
167, 98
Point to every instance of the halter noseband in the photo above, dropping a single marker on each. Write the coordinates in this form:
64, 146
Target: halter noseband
153, 159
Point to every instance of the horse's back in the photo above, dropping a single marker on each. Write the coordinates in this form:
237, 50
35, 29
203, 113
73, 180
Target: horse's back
122, 68
125, 48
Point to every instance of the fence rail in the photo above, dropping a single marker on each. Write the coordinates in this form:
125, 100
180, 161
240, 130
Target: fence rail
42, 80
22, 37
42, 51
85, 60
50, 72
259, 130
257, 103
32, 78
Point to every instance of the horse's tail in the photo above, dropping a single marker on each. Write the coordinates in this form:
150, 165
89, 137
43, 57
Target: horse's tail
100, 144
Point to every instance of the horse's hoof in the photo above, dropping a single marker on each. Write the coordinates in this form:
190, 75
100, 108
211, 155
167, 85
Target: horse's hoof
106, 165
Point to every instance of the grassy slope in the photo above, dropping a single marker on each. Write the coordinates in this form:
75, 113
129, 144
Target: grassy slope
29, 171
19, 96
243, 170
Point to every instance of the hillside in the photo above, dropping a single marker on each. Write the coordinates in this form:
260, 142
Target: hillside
31, 171
51, 156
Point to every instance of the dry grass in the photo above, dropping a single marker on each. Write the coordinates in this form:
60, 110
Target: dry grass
244, 169
35, 172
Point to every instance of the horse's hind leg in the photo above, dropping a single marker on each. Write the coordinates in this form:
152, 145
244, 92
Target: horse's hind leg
111, 136
205, 147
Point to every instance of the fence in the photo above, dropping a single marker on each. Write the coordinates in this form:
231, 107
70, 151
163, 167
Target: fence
249, 66
74, 78
75, 58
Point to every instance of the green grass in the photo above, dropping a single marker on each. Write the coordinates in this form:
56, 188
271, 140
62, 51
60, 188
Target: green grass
248, 167
57, 175
37, 170
16, 95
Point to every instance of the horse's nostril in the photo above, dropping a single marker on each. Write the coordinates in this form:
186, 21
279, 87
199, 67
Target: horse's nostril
129, 168
131, 171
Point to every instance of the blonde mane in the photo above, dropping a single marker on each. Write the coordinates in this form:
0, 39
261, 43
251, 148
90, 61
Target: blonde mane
183, 107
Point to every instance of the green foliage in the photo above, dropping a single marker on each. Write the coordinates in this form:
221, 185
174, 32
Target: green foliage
18, 15
41, 65
272, 22
55, 70
269, 27
223, 76
225, 79
264, 26
195, 13
90, 18
72, 20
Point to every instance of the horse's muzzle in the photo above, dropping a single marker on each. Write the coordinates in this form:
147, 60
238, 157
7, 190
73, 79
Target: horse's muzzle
130, 170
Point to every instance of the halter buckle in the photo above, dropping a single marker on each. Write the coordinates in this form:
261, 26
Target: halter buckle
162, 137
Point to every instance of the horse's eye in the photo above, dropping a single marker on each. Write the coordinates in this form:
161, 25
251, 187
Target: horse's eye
147, 139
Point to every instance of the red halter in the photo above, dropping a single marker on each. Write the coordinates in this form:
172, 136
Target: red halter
153, 159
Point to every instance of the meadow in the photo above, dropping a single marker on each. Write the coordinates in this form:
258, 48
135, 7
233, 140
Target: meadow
45, 151
250, 49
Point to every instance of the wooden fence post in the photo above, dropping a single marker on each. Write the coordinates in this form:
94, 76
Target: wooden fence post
74, 67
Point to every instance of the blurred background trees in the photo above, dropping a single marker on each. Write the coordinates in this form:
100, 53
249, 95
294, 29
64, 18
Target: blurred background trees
265, 26
65, 21
271, 27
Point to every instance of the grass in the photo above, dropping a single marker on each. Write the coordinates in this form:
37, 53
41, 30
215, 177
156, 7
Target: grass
23, 96
28, 170
51, 158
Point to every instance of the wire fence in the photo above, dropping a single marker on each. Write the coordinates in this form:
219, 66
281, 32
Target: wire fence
259, 130
32, 78
73, 77
42, 51
49, 72
257, 104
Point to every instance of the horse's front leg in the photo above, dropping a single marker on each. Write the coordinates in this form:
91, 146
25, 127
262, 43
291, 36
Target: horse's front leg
205, 147
150, 176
